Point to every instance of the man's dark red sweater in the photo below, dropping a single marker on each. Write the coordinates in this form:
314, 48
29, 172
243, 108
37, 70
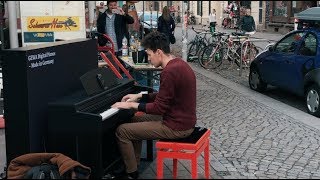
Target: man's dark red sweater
176, 99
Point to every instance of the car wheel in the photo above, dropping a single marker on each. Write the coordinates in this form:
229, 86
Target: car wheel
255, 81
312, 100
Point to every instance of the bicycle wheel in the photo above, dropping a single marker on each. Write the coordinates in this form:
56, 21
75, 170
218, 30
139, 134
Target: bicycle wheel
192, 53
194, 49
236, 56
201, 47
249, 55
210, 59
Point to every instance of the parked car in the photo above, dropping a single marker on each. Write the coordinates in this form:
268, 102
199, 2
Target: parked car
293, 64
149, 20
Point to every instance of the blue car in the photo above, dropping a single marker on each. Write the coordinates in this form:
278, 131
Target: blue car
293, 64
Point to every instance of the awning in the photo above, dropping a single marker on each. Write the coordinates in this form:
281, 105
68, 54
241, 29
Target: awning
312, 14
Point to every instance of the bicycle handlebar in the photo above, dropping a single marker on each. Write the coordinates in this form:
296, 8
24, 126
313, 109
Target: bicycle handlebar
221, 33
198, 32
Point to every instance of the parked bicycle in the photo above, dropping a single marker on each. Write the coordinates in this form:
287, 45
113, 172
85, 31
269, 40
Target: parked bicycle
201, 40
227, 47
249, 50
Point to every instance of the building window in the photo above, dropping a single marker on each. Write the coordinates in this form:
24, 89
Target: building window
199, 8
298, 6
260, 12
169, 3
156, 6
246, 4
209, 7
280, 8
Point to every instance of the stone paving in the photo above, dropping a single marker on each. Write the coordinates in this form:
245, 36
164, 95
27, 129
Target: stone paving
249, 139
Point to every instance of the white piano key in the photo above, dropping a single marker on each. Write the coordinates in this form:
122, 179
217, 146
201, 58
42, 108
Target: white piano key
112, 111
108, 113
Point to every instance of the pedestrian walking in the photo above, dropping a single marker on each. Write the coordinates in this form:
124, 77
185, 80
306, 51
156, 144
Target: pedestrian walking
213, 20
166, 24
247, 23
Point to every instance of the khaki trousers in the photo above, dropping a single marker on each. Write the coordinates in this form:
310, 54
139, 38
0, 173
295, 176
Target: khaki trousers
144, 127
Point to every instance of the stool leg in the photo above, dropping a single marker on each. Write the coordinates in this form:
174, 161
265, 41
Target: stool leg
175, 168
159, 167
194, 164
206, 159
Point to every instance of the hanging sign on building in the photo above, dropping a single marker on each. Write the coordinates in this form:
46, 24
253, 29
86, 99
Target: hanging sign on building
53, 23
41, 21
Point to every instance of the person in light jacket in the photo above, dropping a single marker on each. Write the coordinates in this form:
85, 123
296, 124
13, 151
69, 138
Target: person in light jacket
213, 20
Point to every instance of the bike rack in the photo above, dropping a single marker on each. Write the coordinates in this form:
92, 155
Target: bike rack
252, 40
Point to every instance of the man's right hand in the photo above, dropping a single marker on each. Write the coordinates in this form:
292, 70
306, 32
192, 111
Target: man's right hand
131, 98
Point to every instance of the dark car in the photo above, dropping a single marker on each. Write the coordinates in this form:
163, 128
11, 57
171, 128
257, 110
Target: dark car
149, 20
293, 64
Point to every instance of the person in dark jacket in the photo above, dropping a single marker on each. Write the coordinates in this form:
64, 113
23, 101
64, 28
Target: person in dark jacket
113, 23
247, 23
166, 23
168, 114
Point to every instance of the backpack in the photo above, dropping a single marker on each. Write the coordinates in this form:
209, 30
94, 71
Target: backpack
43, 171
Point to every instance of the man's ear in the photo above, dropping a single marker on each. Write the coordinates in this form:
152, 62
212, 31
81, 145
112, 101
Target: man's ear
159, 51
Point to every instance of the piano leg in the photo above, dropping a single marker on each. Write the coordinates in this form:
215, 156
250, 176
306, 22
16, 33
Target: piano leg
149, 150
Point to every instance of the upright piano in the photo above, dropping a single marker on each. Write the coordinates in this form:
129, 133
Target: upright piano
83, 126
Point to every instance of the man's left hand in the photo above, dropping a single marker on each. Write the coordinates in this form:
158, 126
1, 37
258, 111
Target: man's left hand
121, 11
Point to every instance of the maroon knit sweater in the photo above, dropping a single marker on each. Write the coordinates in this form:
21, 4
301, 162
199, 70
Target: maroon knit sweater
176, 99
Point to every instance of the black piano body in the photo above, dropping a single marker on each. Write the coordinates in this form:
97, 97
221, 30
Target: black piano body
76, 128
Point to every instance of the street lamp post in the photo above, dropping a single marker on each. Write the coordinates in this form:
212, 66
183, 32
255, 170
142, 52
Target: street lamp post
14, 42
184, 31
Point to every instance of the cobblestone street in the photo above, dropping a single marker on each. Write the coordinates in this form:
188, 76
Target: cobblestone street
252, 137
252, 140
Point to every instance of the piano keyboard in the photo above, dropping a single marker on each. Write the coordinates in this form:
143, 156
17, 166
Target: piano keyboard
112, 111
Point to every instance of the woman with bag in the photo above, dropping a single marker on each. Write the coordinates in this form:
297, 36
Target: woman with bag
166, 25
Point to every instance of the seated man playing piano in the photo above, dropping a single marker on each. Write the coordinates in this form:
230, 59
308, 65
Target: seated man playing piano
169, 113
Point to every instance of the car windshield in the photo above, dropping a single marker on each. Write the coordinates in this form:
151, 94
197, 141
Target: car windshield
147, 17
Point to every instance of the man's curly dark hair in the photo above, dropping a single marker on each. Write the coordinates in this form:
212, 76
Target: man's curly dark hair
156, 40
110, 2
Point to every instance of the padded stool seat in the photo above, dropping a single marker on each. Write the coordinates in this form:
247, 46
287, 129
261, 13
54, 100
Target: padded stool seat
186, 148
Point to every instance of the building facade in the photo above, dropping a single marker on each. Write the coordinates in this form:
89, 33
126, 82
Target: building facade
271, 16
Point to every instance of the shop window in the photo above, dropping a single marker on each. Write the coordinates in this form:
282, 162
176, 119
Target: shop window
280, 8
